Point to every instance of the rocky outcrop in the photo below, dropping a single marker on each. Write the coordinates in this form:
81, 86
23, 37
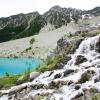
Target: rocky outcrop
67, 46
25, 78
58, 16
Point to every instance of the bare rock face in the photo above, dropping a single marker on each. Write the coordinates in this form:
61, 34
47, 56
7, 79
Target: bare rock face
67, 46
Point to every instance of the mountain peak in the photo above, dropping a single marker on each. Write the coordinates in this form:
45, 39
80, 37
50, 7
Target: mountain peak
56, 8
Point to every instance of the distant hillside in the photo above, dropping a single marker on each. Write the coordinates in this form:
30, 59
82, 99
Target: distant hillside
19, 26
95, 11
24, 25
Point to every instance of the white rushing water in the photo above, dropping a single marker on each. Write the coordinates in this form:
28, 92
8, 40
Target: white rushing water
87, 49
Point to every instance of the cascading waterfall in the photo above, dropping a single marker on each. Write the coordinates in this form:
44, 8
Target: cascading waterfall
48, 80
87, 49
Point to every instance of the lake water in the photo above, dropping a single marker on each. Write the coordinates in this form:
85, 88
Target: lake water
17, 65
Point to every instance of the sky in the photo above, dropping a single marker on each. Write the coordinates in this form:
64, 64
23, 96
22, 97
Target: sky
12, 7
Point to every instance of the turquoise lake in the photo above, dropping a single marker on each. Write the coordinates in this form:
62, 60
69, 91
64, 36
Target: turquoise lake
16, 66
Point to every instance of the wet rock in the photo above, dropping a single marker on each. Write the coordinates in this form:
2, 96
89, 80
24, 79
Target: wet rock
98, 46
70, 82
39, 86
86, 76
51, 73
1, 94
9, 98
67, 72
17, 89
80, 59
97, 79
53, 85
59, 65
12, 93
57, 76
98, 66
57, 84
77, 96
77, 87
91, 72
66, 59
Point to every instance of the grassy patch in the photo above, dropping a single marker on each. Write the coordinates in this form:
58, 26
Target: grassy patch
49, 64
96, 97
84, 34
8, 81
11, 80
89, 34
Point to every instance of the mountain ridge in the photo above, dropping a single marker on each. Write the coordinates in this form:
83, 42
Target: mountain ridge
24, 25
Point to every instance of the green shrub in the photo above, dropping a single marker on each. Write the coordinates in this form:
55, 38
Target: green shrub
32, 40
49, 64
27, 49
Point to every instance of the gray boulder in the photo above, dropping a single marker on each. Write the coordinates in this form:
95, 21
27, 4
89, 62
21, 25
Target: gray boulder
33, 75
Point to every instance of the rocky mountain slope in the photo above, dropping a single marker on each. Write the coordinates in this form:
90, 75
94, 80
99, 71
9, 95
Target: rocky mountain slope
24, 25
78, 79
95, 11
